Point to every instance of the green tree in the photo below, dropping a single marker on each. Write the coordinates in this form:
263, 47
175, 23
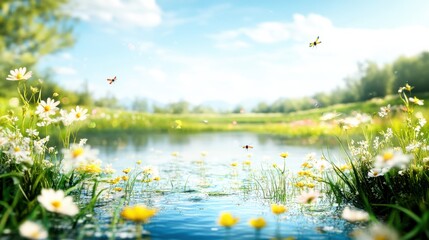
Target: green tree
179, 107
140, 105
202, 109
412, 70
30, 29
374, 82
262, 107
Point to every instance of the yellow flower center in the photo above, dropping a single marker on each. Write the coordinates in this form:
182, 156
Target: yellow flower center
380, 237
78, 115
17, 149
56, 204
310, 199
47, 108
35, 235
92, 168
387, 156
19, 76
77, 152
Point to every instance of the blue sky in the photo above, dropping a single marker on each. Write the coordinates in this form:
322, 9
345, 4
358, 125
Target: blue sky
241, 50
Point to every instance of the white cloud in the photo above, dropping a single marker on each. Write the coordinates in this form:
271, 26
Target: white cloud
272, 32
235, 44
119, 13
151, 74
142, 46
65, 71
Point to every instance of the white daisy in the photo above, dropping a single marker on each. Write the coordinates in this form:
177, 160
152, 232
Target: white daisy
377, 172
56, 201
377, 231
354, 215
308, 197
392, 158
76, 156
45, 109
19, 74
20, 153
32, 230
79, 113
66, 118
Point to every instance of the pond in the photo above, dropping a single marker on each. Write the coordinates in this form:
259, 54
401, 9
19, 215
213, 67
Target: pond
198, 181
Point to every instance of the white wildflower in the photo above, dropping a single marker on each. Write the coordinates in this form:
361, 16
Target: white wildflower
377, 172
56, 201
66, 118
308, 197
32, 230
108, 169
421, 119
19, 74
329, 116
45, 109
384, 111
79, 113
417, 101
32, 132
354, 215
413, 146
310, 156
377, 231
392, 158
82, 141
78, 155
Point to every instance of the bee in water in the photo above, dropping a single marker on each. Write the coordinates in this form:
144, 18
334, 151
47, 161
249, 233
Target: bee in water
111, 80
315, 43
247, 147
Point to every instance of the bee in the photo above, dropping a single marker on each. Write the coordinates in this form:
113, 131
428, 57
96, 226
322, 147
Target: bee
111, 80
315, 43
247, 147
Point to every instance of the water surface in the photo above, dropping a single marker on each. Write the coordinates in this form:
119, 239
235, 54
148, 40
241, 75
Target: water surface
194, 189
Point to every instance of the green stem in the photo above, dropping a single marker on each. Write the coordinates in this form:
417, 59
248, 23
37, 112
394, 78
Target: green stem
139, 231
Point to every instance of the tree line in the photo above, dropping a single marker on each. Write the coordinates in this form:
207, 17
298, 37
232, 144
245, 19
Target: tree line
371, 81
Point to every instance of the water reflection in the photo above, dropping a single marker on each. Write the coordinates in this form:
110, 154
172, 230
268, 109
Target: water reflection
204, 174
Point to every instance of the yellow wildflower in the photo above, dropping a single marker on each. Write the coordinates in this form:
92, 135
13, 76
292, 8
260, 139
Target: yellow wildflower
247, 162
227, 220
257, 223
278, 208
138, 213
284, 154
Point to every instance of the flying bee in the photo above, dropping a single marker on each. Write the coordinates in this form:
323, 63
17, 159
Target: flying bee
247, 147
111, 80
315, 43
